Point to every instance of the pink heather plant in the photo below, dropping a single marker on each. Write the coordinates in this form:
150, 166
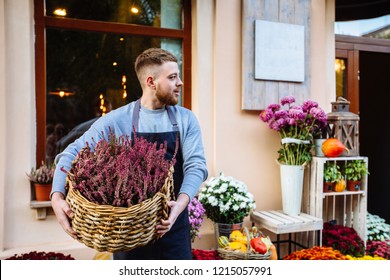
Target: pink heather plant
196, 213
297, 125
120, 172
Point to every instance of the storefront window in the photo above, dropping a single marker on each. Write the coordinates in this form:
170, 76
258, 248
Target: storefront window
85, 53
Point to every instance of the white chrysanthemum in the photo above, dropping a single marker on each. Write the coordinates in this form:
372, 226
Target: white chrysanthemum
213, 201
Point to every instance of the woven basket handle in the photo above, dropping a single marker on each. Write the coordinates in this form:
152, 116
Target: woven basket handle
168, 187
245, 231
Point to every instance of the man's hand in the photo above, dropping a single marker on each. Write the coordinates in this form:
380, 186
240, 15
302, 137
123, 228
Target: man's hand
176, 207
63, 213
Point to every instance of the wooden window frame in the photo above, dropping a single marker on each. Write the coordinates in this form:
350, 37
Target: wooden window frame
42, 22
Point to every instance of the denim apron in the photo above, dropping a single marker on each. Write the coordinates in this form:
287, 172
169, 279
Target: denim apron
176, 243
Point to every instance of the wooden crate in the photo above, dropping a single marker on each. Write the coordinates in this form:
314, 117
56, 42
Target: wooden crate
348, 208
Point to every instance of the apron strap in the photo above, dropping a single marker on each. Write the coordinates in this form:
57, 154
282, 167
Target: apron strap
137, 108
172, 117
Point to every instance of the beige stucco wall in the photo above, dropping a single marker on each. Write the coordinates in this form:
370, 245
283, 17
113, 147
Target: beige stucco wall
236, 142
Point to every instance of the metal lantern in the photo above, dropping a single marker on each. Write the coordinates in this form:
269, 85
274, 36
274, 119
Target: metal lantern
344, 125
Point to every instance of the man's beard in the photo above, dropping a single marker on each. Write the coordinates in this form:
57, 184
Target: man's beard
167, 99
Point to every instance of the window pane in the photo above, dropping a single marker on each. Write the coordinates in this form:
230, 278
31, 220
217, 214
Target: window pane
88, 73
341, 77
157, 13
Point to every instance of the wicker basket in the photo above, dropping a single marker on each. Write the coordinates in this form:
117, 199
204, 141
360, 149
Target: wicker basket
112, 229
238, 255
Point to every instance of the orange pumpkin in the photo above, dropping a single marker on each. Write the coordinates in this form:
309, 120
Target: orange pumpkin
333, 147
340, 186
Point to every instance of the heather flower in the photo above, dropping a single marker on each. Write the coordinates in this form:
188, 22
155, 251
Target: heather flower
119, 171
226, 200
196, 213
297, 126
43, 174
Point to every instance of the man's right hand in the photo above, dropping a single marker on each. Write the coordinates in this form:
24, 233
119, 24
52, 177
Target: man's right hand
63, 213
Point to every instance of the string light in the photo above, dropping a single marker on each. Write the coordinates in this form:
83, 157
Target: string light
124, 86
102, 105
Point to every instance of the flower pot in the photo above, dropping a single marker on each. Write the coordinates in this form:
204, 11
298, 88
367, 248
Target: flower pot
292, 185
328, 187
42, 192
353, 185
225, 229
318, 147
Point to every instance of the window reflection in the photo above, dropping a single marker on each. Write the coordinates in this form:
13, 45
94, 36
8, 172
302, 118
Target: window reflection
157, 13
341, 78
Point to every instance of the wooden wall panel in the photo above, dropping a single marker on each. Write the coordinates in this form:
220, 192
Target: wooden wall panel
258, 94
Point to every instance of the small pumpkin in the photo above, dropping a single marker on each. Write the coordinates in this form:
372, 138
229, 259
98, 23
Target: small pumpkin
333, 147
259, 245
340, 186
223, 241
235, 245
236, 235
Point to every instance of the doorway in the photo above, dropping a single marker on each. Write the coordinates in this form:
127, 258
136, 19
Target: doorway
374, 128
366, 86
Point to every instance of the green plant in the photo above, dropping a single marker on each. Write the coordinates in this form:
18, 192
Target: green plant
355, 170
43, 174
332, 172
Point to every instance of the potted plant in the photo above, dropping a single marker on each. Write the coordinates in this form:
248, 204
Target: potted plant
227, 202
295, 125
42, 178
332, 174
354, 171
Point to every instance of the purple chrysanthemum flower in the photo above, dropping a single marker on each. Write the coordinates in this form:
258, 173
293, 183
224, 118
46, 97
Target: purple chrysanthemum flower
273, 107
266, 115
287, 100
281, 114
297, 114
308, 105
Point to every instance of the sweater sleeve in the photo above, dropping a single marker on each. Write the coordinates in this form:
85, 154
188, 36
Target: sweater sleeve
194, 167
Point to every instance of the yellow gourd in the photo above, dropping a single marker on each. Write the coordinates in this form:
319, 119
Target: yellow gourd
235, 245
339, 186
236, 235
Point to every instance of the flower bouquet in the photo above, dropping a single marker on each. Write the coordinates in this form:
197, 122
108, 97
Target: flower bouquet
297, 125
118, 192
226, 200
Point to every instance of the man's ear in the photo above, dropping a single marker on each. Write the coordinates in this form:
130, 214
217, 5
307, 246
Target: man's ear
150, 82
